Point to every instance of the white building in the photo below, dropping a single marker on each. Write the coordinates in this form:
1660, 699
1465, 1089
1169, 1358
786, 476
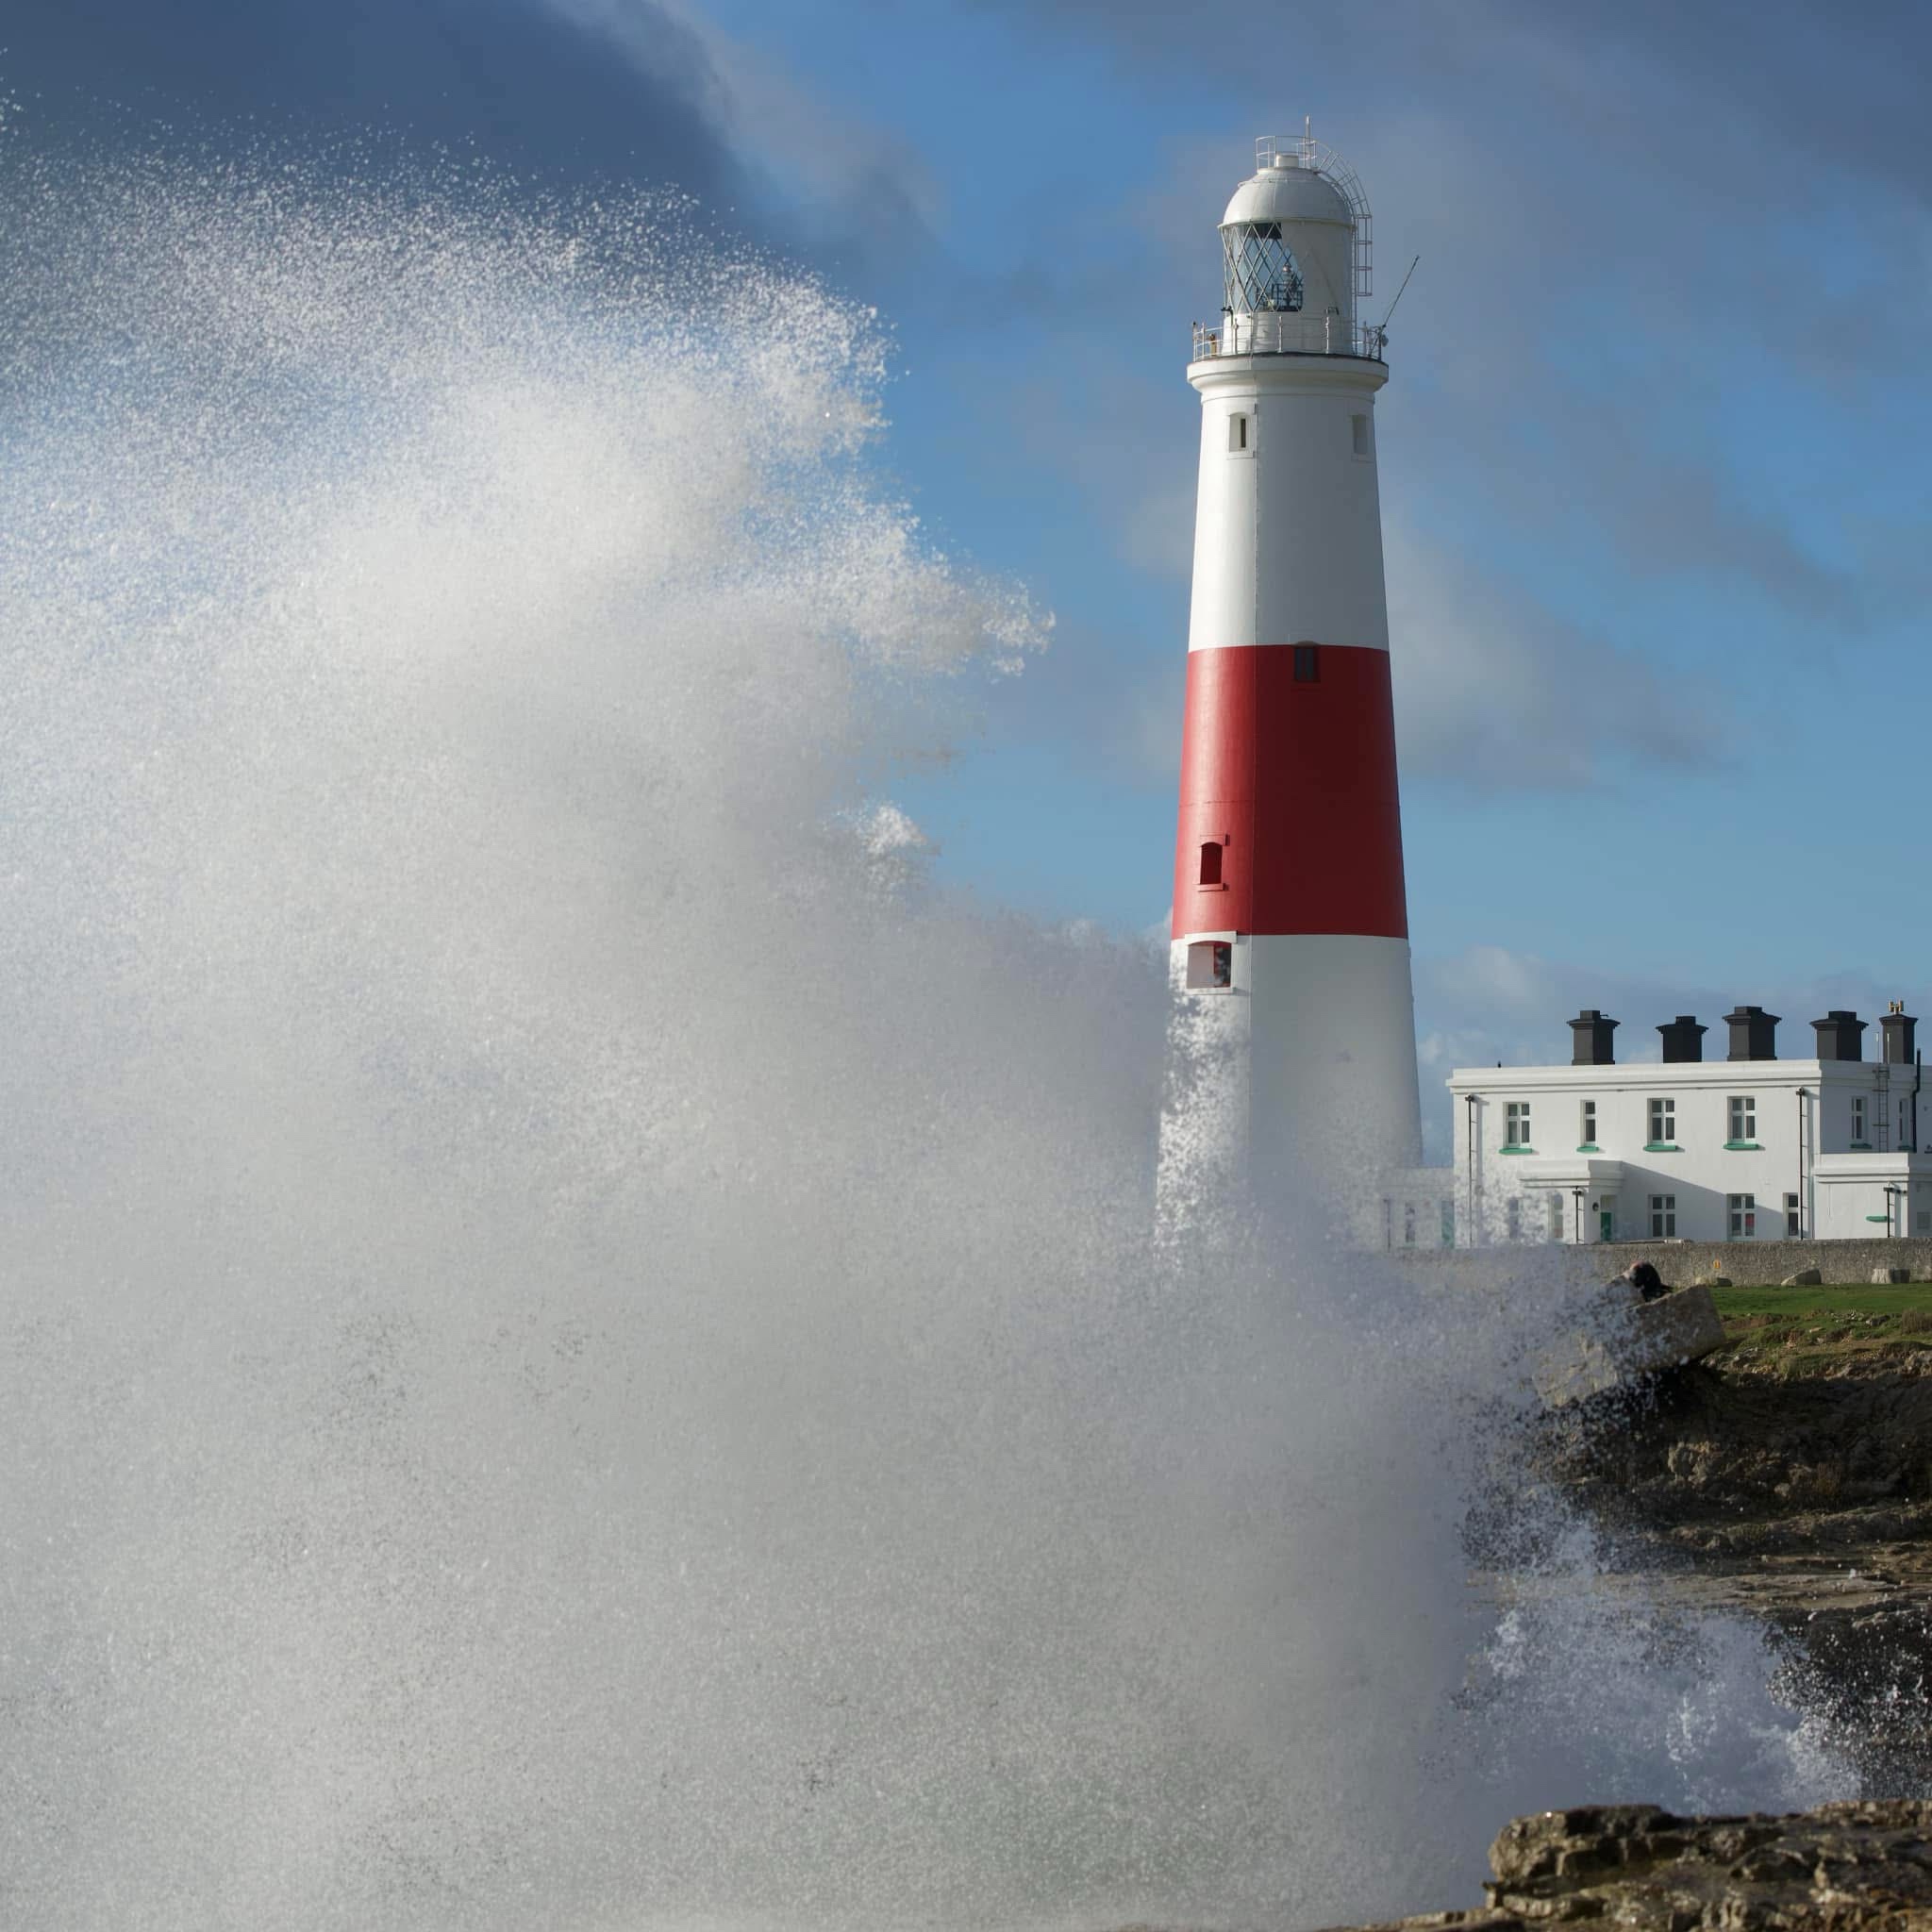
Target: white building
1751, 1147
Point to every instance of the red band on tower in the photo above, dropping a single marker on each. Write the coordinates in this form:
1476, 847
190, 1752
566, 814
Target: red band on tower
1295, 781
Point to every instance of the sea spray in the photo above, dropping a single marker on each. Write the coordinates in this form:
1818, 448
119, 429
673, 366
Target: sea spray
581, 1343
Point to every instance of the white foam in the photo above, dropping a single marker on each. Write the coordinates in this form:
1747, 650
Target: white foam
579, 1349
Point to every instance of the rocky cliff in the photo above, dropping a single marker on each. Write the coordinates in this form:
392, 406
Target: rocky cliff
1805, 1500
1850, 1868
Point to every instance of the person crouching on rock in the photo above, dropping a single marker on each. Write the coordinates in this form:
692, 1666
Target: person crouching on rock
1648, 1283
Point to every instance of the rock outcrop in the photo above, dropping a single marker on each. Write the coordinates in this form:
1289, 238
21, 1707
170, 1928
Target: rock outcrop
1852, 1868
1709, 1446
1633, 1337
1805, 1502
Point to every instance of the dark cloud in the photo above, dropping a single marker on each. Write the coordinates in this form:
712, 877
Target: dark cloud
1840, 86
517, 84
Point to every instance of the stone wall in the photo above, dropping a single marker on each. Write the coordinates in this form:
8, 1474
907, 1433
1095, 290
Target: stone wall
1761, 1261
1753, 1262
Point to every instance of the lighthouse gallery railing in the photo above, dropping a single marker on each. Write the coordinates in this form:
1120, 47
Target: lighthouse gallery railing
1290, 334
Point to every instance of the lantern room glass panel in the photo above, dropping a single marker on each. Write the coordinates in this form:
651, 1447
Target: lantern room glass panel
1261, 275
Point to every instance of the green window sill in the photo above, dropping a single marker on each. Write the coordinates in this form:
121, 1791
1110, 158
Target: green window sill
1516, 1150
1861, 1147
1740, 1146
1587, 1147
1662, 1147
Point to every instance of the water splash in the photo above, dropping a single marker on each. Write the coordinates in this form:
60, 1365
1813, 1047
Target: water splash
579, 1345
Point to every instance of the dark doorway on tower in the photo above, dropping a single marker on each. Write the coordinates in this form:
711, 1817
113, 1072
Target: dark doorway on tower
1210, 964
1211, 862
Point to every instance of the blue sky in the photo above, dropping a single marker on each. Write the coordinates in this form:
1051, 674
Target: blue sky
1653, 450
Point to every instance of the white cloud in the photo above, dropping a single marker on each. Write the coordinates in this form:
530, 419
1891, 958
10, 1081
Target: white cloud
1498, 692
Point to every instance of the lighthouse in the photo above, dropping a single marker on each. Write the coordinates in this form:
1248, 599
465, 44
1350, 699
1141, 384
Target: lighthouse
1293, 1070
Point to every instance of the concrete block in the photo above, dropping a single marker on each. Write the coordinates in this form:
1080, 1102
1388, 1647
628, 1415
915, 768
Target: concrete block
1627, 1339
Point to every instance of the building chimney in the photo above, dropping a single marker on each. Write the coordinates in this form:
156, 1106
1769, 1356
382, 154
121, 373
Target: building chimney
1592, 1031
1897, 1031
1683, 1039
1840, 1036
1753, 1034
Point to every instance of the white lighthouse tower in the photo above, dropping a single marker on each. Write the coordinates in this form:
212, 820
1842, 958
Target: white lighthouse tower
1294, 1071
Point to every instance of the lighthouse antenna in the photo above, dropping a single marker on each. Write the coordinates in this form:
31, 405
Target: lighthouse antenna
1398, 293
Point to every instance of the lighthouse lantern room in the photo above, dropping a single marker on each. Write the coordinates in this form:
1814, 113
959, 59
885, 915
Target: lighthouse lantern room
1294, 1024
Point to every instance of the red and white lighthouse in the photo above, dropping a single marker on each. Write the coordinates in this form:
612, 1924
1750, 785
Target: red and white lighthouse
1294, 1018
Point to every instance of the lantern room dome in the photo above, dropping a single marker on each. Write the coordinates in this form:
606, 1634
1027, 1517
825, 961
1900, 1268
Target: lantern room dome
1285, 191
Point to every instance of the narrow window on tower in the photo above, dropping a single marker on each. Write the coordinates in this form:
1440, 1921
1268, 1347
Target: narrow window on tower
1307, 664
1236, 435
1211, 862
1359, 426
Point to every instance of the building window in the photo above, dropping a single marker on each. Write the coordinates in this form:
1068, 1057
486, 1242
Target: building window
1744, 1117
1210, 963
1663, 1217
1923, 1221
1512, 1215
1793, 1226
1359, 428
1307, 664
1857, 1120
1236, 435
1448, 1223
1589, 1123
1904, 1124
1211, 862
1555, 1217
1663, 1122
1744, 1216
1408, 1224
1516, 1123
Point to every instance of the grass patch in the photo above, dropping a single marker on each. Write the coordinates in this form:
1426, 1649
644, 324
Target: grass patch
1808, 1331
1803, 1303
